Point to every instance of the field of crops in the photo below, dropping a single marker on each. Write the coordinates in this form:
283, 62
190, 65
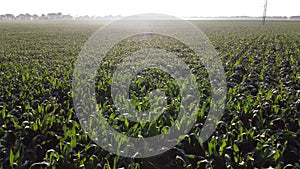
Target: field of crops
259, 127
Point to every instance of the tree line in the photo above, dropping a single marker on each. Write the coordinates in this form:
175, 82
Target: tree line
53, 16
60, 16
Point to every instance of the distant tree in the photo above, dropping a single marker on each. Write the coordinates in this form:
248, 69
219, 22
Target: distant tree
27, 16
277, 17
85, 17
9, 17
67, 17
98, 18
54, 15
43, 17
20, 17
295, 17
35, 17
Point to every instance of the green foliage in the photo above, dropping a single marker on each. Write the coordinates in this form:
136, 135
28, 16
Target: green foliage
259, 128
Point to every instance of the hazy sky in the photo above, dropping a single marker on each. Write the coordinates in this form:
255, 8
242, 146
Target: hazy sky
179, 8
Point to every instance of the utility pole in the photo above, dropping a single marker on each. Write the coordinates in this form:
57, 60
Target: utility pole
265, 12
